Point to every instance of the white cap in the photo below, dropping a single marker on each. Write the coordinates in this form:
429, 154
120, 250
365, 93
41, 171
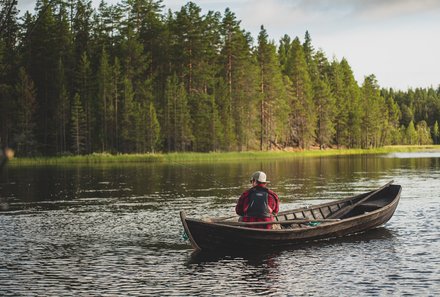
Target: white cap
259, 176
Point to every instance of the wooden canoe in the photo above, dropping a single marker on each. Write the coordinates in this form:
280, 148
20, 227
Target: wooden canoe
328, 220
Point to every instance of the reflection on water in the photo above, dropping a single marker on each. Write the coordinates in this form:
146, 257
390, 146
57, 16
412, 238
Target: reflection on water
415, 155
201, 257
115, 230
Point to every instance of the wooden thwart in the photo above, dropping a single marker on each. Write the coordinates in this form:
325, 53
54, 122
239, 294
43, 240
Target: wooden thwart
343, 211
276, 222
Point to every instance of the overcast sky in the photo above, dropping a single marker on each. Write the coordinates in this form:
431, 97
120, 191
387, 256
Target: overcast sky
397, 40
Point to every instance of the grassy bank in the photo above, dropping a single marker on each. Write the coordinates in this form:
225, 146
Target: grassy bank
210, 157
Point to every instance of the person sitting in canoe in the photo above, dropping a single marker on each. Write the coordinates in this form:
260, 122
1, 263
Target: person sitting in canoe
258, 204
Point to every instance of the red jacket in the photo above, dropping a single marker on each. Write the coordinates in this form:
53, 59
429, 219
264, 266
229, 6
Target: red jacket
243, 203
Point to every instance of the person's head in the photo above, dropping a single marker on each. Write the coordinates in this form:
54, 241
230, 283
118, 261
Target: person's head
259, 178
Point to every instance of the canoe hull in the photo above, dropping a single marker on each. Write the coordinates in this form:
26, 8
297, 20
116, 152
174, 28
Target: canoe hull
217, 237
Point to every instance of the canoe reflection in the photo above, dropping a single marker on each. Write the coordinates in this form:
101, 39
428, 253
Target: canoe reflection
258, 258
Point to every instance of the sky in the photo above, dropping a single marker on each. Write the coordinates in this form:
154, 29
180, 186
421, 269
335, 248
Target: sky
396, 40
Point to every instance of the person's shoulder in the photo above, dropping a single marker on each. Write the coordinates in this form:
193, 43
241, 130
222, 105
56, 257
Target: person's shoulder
245, 193
272, 193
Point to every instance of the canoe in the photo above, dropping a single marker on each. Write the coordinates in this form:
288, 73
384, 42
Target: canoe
322, 221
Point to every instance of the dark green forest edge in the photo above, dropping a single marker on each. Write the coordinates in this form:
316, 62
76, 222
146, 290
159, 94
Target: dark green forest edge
133, 78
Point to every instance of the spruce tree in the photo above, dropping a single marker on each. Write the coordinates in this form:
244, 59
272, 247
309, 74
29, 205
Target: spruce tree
153, 129
411, 134
323, 100
177, 128
26, 107
436, 133
84, 88
303, 117
274, 109
374, 117
341, 115
352, 98
105, 106
78, 126
423, 133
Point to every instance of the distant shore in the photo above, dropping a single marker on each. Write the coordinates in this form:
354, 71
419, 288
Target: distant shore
98, 158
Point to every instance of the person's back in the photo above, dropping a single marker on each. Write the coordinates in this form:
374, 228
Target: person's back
258, 204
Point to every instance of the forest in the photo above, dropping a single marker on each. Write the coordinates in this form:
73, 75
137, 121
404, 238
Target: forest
134, 78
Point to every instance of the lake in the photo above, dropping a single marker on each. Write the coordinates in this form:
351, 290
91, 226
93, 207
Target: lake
114, 230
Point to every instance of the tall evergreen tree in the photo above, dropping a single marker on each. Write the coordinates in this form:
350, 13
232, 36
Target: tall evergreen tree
84, 80
411, 134
273, 106
128, 119
423, 133
323, 100
41, 57
341, 116
373, 117
436, 133
105, 106
353, 100
26, 107
152, 129
78, 126
303, 116
284, 52
62, 109
177, 116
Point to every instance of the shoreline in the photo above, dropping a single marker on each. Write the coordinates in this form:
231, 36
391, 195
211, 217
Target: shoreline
188, 157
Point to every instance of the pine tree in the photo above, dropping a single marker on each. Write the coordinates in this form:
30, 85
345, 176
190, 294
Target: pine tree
352, 98
236, 92
153, 129
230, 57
325, 108
436, 133
26, 107
373, 118
78, 126
117, 87
9, 64
177, 126
62, 109
411, 134
341, 104
128, 119
105, 106
303, 117
423, 133
84, 88
274, 109
284, 52
41, 58
390, 130
323, 99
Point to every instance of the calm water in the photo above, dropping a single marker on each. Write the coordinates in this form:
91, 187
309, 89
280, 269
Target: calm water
114, 230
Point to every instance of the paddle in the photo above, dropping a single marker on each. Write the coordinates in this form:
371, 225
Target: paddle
343, 211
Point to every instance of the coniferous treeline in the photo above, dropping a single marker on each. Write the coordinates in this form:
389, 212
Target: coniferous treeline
132, 77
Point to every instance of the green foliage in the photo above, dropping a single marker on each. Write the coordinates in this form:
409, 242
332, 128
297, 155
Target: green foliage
133, 78
436, 133
423, 133
177, 122
274, 109
411, 134
303, 116
78, 126
26, 107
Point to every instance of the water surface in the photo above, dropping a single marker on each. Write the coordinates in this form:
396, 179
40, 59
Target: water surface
114, 230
